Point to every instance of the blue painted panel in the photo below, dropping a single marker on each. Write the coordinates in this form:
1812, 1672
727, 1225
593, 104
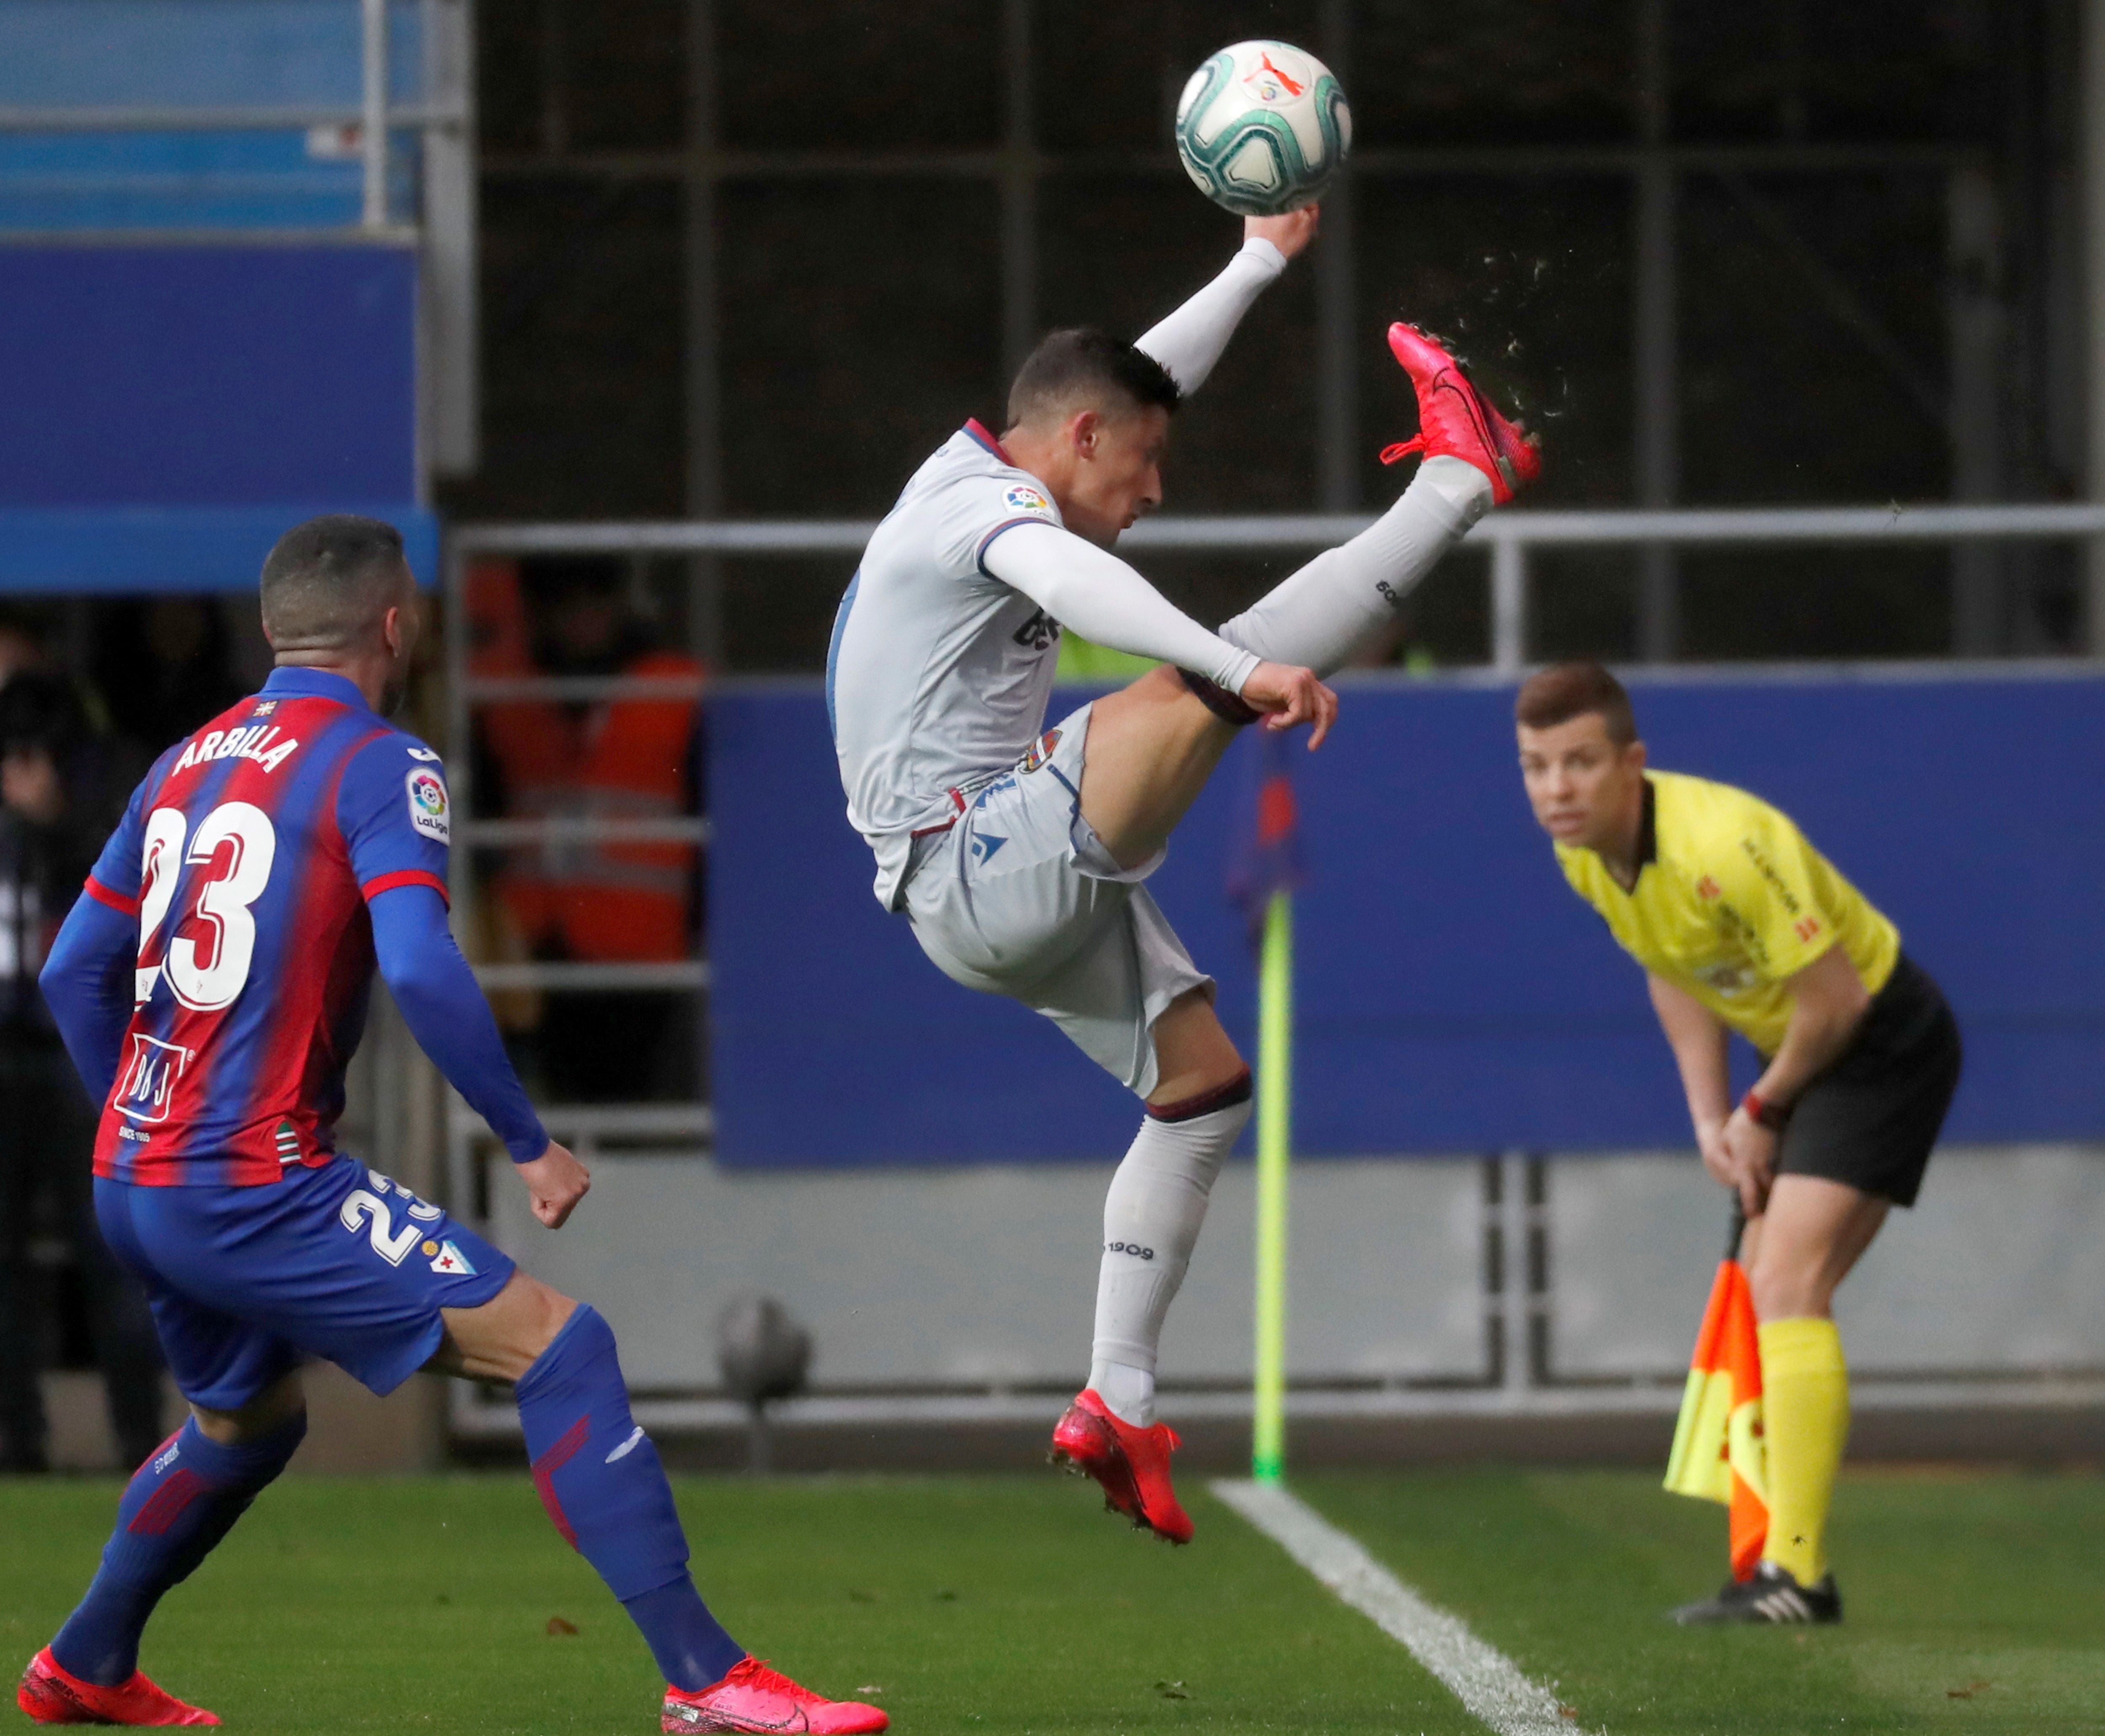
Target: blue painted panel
125, 550
1455, 996
143, 376
61, 182
199, 53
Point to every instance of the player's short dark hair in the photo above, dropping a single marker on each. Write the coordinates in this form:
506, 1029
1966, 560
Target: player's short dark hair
1079, 366
328, 581
1565, 691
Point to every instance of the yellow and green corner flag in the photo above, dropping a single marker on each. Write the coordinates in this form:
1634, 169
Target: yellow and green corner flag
1718, 1453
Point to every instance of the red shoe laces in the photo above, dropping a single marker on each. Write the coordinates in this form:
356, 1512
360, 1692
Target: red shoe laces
1402, 449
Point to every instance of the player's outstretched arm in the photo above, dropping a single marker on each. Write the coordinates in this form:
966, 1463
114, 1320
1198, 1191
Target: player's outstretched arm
1099, 596
1191, 340
86, 981
444, 1006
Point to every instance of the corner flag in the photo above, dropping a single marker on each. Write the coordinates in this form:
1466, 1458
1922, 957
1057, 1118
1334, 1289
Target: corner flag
1261, 874
1718, 1453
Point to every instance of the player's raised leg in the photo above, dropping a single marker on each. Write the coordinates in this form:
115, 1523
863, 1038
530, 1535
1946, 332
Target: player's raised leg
1151, 753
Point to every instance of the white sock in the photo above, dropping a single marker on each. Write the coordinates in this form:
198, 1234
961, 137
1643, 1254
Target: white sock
1316, 617
1152, 1216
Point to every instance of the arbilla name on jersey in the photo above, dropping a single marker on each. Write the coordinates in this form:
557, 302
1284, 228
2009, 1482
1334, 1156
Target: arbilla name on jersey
254, 741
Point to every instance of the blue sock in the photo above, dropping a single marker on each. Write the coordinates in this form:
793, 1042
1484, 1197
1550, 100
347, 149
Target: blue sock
179, 1504
599, 1476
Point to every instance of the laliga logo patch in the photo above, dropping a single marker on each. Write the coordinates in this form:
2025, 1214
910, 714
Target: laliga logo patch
428, 813
1024, 498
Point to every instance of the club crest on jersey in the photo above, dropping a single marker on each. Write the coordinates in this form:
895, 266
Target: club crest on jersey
150, 1082
1041, 751
1022, 497
254, 741
448, 1260
428, 812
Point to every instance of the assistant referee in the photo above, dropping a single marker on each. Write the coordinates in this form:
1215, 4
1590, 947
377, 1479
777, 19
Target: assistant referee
1741, 925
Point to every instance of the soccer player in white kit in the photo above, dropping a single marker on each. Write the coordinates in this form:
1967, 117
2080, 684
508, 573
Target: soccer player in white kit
1019, 854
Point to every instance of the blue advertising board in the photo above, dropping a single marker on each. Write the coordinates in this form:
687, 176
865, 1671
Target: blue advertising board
1453, 995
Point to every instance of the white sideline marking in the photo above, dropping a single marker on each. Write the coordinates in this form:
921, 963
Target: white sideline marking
1483, 1678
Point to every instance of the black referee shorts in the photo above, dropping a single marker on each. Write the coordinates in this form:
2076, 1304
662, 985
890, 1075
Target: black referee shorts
1871, 1119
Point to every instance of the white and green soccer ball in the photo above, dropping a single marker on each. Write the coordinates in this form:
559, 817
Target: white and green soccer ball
1261, 127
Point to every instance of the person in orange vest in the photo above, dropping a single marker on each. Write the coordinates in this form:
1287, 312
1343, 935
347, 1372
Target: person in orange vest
579, 898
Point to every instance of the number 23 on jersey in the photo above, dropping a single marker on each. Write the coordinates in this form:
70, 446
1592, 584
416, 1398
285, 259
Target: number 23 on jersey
207, 960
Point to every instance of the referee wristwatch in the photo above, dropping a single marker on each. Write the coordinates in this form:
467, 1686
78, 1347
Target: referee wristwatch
1763, 1113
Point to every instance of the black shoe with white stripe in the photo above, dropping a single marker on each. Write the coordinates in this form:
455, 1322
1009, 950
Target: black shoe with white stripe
1772, 1595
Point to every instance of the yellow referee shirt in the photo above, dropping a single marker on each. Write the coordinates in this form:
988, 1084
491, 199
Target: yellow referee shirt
1731, 900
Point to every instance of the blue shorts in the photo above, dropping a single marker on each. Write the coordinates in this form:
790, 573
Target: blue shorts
340, 1262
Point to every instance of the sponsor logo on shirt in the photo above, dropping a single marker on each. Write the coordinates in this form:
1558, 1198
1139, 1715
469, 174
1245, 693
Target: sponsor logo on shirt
1038, 632
429, 813
149, 1085
1022, 497
254, 741
1707, 888
425, 754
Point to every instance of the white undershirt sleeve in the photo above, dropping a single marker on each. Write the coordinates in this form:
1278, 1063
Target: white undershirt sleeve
1102, 598
1190, 342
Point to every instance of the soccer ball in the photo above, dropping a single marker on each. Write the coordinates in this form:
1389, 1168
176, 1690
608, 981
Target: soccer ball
1261, 127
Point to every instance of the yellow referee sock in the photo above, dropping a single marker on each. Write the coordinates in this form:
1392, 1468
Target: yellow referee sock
1805, 1418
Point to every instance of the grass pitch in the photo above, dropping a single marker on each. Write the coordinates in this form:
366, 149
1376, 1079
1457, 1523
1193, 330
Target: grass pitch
1012, 1606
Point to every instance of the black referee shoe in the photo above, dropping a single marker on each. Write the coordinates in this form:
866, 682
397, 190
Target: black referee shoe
1771, 1596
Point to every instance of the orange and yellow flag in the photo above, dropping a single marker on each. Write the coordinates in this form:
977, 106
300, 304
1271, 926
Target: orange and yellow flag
1717, 1452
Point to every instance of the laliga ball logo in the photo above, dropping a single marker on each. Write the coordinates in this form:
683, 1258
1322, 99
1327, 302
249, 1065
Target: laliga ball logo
430, 794
1262, 128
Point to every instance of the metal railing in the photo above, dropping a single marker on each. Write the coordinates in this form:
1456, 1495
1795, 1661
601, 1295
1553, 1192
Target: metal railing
1510, 539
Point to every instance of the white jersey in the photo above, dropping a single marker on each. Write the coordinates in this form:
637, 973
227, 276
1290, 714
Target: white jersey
939, 673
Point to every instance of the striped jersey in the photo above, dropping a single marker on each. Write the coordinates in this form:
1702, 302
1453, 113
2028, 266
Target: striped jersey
247, 855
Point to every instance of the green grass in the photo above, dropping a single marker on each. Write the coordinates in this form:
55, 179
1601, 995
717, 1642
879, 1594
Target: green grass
1011, 1606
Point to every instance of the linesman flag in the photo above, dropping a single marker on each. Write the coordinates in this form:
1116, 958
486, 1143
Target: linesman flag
1718, 1453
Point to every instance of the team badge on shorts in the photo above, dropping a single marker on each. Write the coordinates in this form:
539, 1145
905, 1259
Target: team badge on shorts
1024, 498
1041, 751
428, 812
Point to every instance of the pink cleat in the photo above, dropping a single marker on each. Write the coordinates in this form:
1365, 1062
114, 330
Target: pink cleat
753, 1698
51, 1693
1454, 421
1131, 1465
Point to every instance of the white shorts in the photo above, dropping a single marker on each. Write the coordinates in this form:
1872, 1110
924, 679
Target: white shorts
1021, 898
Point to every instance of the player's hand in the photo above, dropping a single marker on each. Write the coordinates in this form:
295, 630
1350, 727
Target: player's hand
1290, 233
556, 1181
1750, 1156
1290, 697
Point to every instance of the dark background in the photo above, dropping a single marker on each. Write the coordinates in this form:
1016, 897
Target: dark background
849, 185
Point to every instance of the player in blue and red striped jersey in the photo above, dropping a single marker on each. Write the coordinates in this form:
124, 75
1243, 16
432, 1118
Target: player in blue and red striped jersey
211, 985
